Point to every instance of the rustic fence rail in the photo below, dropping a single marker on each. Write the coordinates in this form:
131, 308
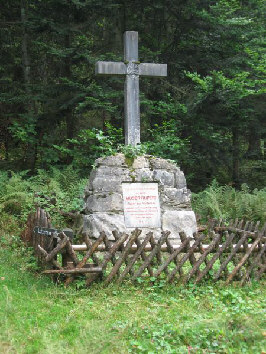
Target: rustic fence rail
233, 251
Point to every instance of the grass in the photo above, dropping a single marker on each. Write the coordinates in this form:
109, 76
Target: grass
38, 316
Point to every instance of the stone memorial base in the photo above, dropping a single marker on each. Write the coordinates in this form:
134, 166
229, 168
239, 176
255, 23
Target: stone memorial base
104, 209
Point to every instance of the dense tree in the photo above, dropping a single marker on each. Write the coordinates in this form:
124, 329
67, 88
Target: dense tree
209, 110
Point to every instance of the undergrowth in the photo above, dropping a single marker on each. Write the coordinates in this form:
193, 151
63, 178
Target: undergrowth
228, 203
63, 189
53, 190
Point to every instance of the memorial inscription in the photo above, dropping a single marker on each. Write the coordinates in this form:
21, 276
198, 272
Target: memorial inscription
141, 205
117, 199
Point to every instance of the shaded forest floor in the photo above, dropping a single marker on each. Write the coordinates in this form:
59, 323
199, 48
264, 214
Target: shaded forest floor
38, 316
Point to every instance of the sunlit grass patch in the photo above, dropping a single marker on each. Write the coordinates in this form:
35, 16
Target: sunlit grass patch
38, 316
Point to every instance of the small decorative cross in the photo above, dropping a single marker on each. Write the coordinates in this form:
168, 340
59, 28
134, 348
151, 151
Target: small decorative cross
132, 68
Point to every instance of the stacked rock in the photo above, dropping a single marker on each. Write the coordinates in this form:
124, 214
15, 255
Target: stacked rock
104, 209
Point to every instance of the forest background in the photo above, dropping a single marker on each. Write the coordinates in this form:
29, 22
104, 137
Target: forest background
57, 117
207, 115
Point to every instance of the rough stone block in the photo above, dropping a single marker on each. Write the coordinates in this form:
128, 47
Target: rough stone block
87, 192
109, 171
106, 184
114, 160
104, 202
105, 178
158, 163
108, 222
140, 162
179, 220
172, 197
180, 180
164, 177
143, 175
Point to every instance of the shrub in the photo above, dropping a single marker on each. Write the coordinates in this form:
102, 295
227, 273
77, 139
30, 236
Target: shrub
91, 144
54, 189
228, 203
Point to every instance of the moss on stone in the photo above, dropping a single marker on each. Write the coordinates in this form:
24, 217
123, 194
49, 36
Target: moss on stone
129, 161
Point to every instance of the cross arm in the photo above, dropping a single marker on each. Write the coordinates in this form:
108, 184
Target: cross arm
110, 68
157, 70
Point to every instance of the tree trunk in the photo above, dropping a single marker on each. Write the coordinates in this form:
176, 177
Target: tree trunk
30, 156
68, 112
25, 54
236, 157
254, 143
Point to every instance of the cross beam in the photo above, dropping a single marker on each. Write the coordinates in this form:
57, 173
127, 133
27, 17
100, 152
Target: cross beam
132, 68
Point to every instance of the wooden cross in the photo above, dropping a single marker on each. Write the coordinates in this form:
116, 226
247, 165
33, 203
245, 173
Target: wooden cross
132, 68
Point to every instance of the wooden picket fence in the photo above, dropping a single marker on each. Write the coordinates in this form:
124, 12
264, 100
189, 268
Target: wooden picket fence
218, 251
221, 252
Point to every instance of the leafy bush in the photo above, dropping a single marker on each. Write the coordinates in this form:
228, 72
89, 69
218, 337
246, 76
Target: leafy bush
167, 143
91, 144
16, 194
54, 189
228, 203
63, 189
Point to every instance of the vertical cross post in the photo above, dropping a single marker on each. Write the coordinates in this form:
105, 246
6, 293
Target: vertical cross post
132, 68
132, 110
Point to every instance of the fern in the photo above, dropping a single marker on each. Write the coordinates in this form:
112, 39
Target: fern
228, 203
19, 194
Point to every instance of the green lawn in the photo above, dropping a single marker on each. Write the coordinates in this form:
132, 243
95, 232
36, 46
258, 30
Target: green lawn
37, 316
